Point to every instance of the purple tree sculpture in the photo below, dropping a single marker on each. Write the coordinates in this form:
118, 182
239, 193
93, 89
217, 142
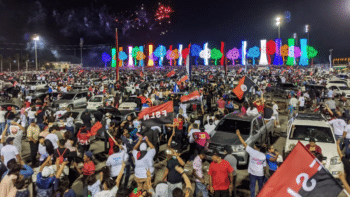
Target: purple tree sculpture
233, 54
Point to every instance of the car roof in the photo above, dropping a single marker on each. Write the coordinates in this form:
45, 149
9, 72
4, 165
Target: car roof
317, 123
235, 116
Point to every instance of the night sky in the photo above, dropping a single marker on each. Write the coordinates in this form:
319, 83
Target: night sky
193, 21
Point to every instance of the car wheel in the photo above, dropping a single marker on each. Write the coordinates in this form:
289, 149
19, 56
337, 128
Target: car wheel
70, 107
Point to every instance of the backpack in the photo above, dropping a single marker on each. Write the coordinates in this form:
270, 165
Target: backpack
60, 157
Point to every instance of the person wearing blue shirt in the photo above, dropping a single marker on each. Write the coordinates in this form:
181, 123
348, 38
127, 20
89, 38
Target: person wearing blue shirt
26, 171
271, 158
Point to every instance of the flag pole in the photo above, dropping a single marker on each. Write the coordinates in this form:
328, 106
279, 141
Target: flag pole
116, 55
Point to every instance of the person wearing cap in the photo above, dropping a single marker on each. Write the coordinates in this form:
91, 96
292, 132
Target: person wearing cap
313, 148
87, 169
9, 151
46, 178
221, 177
33, 137
257, 164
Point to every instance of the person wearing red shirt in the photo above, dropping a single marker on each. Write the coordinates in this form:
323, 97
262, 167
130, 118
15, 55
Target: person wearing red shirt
88, 169
313, 148
202, 139
221, 105
221, 176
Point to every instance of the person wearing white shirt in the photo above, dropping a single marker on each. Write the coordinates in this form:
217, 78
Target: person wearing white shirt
209, 128
339, 128
9, 151
116, 160
256, 166
301, 103
347, 141
293, 102
52, 137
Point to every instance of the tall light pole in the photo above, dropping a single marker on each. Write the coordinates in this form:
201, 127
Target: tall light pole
36, 51
295, 36
81, 51
278, 23
330, 58
307, 31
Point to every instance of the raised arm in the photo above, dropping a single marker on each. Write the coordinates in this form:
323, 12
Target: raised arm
184, 176
59, 171
120, 175
150, 145
240, 138
45, 163
171, 137
138, 143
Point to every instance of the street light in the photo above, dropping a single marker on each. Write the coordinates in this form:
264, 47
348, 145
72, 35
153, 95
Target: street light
278, 23
36, 53
307, 31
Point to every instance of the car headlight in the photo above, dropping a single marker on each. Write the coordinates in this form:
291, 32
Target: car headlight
238, 148
335, 160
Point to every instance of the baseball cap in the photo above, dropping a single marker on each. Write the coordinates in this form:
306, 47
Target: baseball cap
9, 139
47, 171
216, 152
89, 154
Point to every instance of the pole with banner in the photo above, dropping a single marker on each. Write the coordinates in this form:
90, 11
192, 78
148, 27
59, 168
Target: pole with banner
116, 55
81, 51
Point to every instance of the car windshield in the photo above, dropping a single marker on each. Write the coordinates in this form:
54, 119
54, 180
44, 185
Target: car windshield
344, 88
31, 83
286, 85
66, 115
95, 99
68, 96
341, 82
230, 126
320, 134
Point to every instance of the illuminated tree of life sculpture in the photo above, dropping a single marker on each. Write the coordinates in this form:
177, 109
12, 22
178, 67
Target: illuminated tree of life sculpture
263, 56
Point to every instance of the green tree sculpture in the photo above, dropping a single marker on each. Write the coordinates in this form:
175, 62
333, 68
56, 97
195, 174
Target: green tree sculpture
311, 53
215, 55
134, 51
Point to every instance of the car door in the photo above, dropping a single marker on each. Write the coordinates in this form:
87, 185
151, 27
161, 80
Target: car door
84, 99
77, 100
256, 132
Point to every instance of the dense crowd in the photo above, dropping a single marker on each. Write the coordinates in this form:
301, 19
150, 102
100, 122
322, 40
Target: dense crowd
60, 151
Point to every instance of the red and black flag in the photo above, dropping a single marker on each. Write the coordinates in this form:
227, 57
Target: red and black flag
243, 87
194, 96
171, 73
157, 115
183, 79
301, 175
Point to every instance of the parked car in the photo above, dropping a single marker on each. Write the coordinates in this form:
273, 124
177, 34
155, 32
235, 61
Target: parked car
36, 85
131, 103
253, 130
97, 101
72, 99
77, 114
307, 126
340, 90
283, 89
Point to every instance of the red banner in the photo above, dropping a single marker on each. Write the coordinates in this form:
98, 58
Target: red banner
301, 174
183, 79
171, 73
157, 115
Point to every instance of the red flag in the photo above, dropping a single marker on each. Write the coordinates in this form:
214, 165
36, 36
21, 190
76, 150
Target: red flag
15, 83
95, 128
104, 77
193, 96
141, 74
301, 174
171, 73
182, 80
81, 71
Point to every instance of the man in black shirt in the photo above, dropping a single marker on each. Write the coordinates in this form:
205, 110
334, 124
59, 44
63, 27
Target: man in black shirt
174, 178
40, 118
268, 114
61, 150
86, 118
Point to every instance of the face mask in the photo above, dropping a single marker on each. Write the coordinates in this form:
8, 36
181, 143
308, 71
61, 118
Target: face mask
174, 157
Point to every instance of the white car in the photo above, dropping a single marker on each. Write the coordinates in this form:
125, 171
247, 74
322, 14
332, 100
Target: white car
340, 89
336, 82
96, 102
306, 126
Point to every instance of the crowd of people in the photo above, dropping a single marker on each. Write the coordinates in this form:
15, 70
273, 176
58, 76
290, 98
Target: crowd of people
60, 152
